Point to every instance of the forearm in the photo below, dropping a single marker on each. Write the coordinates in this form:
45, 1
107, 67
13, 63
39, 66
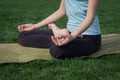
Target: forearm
91, 12
51, 19
84, 26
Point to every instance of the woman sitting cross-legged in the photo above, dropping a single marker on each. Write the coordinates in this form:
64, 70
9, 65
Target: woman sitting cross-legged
82, 37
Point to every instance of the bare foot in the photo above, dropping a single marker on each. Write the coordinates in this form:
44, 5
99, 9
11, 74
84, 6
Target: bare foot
64, 31
57, 31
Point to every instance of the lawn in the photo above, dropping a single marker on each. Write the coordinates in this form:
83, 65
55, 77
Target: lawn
15, 12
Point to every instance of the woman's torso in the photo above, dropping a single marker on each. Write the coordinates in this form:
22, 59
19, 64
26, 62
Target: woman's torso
76, 11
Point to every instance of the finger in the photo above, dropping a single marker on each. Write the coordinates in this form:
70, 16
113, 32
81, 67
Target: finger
19, 28
64, 42
61, 39
58, 36
58, 41
22, 27
54, 40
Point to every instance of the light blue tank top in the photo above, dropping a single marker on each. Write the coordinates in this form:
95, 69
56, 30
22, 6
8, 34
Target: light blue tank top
76, 11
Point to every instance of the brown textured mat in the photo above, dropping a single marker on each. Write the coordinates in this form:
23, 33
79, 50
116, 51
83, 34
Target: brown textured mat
14, 53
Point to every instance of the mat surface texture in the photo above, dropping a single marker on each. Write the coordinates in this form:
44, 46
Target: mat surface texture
15, 53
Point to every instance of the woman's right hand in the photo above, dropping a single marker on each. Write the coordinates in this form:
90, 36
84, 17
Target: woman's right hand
25, 27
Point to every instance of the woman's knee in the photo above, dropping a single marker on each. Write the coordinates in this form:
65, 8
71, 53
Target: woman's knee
57, 52
21, 39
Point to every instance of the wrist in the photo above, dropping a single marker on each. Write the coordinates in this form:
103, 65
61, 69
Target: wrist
74, 35
35, 26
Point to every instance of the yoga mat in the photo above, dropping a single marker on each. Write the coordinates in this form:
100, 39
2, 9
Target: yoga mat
15, 53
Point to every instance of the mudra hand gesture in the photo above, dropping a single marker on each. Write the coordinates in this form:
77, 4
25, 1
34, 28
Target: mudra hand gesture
61, 36
26, 27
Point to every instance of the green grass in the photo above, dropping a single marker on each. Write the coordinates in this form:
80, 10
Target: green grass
15, 12
103, 68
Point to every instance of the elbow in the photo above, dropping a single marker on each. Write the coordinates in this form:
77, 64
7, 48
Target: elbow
61, 11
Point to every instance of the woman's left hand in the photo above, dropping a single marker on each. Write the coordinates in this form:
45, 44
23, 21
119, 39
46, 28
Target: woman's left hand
63, 40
